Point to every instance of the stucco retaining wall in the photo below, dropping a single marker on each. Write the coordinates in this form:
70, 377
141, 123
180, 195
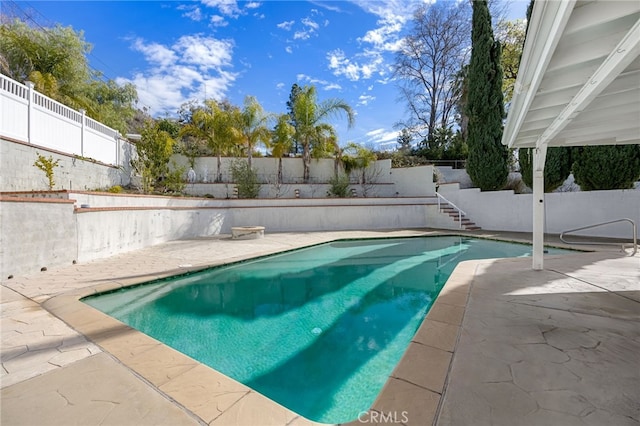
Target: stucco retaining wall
103, 233
39, 232
320, 170
507, 211
36, 233
19, 173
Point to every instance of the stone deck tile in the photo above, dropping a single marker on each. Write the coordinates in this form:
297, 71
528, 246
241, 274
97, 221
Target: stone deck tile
92, 391
405, 403
255, 409
34, 341
205, 392
557, 346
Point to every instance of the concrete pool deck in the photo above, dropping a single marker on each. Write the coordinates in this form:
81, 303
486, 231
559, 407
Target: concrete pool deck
502, 345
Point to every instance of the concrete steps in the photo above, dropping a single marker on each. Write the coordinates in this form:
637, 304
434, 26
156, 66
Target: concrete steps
467, 224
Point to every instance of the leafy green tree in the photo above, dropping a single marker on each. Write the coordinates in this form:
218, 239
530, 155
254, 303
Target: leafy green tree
281, 141
309, 115
431, 149
252, 126
358, 157
511, 36
333, 145
55, 60
293, 95
444, 144
405, 141
154, 150
246, 179
456, 147
339, 186
487, 161
111, 103
556, 170
606, 167
461, 82
214, 126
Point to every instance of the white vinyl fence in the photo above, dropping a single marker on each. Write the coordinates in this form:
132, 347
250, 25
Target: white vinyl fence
28, 116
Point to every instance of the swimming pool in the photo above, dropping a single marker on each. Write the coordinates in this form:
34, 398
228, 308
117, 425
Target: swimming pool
318, 330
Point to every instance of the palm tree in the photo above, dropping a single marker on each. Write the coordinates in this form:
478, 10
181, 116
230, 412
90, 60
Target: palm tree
212, 124
359, 157
281, 141
252, 126
308, 118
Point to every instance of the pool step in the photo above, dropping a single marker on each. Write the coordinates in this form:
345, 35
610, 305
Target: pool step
467, 224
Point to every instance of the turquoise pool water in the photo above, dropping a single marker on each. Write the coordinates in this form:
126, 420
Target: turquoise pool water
318, 330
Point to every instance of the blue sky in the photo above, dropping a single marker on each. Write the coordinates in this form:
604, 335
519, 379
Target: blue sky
175, 51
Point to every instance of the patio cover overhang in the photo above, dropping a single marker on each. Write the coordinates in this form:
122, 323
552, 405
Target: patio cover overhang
578, 84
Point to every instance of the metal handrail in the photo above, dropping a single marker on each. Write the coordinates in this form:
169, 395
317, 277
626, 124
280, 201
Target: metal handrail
460, 212
633, 225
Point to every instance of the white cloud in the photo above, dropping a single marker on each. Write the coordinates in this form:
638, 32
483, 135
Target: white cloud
226, 7
195, 66
381, 137
289, 49
204, 52
301, 35
365, 99
229, 9
364, 65
329, 6
286, 25
192, 12
373, 60
374, 133
309, 27
326, 85
387, 36
308, 22
218, 21
155, 53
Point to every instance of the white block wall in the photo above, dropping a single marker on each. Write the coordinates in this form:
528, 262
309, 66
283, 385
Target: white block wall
507, 211
17, 172
36, 234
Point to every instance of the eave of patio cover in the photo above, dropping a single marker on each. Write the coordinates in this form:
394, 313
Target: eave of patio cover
578, 84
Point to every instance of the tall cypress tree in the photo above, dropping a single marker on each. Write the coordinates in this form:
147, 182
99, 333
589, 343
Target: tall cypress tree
606, 167
487, 161
556, 170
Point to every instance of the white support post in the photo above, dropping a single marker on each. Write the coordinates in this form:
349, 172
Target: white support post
82, 124
539, 157
30, 86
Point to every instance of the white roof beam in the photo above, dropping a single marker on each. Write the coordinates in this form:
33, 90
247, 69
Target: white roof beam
548, 21
623, 54
598, 49
624, 125
587, 15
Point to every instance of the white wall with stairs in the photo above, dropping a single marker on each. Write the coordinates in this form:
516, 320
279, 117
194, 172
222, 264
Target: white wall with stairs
507, 211
461, 220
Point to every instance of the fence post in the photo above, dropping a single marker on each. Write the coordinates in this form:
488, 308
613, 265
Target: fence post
83, 113
118, 142
30, 86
